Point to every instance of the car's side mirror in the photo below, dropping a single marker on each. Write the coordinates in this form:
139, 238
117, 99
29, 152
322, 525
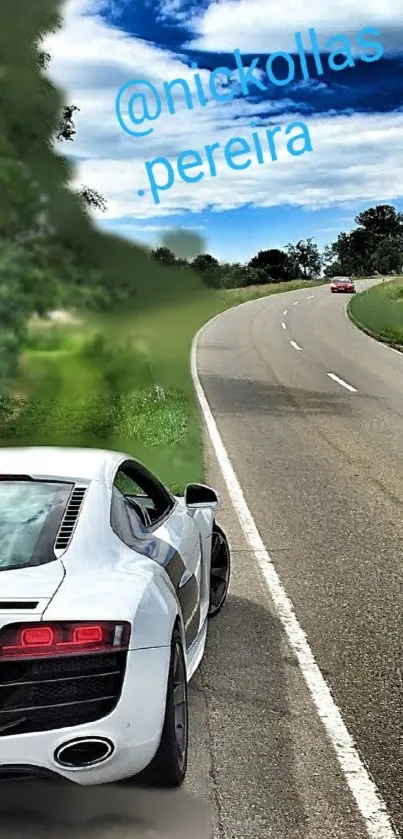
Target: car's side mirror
199, 496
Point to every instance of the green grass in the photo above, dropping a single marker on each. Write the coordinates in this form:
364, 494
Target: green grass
379, 311
121, 383
235, 296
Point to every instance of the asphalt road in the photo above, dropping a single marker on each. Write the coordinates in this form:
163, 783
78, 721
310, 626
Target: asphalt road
320, 461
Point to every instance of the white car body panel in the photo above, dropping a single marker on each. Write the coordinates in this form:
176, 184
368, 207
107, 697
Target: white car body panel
36, 583
100, 578
134, 727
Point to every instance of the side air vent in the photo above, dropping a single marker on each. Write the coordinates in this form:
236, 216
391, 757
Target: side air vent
18, 604
70, 518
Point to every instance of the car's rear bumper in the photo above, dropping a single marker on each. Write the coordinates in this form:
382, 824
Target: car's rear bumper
134, 728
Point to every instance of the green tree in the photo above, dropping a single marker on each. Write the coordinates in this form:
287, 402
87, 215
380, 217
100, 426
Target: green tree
353, 252
339, 256
52, 251
376, 240
15, 304
234, 275
273, 263
208, 268
331, 267
305, 259
164, 256
20, 199
382, 221
257, 276
92, 199
66, 131
388, 256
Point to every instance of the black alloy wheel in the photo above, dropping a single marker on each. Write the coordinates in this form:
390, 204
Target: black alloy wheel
220, 570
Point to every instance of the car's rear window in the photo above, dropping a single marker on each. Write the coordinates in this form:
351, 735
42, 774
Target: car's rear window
30, 516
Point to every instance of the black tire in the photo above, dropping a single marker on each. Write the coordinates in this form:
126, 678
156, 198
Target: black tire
168, 768
220, 572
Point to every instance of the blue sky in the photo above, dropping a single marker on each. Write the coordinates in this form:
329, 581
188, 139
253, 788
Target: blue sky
354, 117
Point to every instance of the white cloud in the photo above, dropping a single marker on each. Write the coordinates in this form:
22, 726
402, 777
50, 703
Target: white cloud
266, 25
355, 157
158, 228
172, 9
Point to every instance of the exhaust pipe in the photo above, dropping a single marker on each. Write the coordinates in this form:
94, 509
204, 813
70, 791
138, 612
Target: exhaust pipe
83, 752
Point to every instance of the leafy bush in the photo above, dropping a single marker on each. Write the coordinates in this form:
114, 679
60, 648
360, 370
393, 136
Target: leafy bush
120, 365
47, 338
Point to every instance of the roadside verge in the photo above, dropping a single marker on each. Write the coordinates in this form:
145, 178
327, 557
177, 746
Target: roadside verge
378, 312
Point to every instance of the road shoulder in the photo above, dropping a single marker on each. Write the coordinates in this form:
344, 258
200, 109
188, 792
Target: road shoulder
259, 753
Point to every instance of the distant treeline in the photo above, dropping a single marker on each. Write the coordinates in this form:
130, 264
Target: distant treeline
375, 245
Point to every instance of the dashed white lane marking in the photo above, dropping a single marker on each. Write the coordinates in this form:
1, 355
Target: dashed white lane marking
296, 303
310, 297
295, 345
363, 788
284, 325
342, 382
285, 312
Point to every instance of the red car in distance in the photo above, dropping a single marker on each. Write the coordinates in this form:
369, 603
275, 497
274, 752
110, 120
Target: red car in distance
342, 284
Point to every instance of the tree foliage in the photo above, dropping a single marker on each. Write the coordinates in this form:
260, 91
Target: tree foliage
304, 259
66, 131
16, 282
375, 244
381, 221
274, 263
164, 255
51, 253
208, 268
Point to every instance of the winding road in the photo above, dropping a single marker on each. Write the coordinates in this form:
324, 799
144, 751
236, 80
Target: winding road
310, 411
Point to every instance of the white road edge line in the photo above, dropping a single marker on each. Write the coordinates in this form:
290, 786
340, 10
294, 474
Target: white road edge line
342, 382
369, 802
284, 325
295, 345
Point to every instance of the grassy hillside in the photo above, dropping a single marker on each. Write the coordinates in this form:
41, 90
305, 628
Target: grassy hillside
380, 311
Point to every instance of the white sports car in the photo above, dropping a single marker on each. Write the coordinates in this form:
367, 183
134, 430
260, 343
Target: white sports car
106, 586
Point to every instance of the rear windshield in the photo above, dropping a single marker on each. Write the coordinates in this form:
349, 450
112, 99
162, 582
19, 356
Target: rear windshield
30, 516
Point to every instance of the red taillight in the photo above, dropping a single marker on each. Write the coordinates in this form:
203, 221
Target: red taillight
87, 634
41, 637
55, 639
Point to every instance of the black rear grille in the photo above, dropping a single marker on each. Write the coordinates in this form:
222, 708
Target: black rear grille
44, 694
